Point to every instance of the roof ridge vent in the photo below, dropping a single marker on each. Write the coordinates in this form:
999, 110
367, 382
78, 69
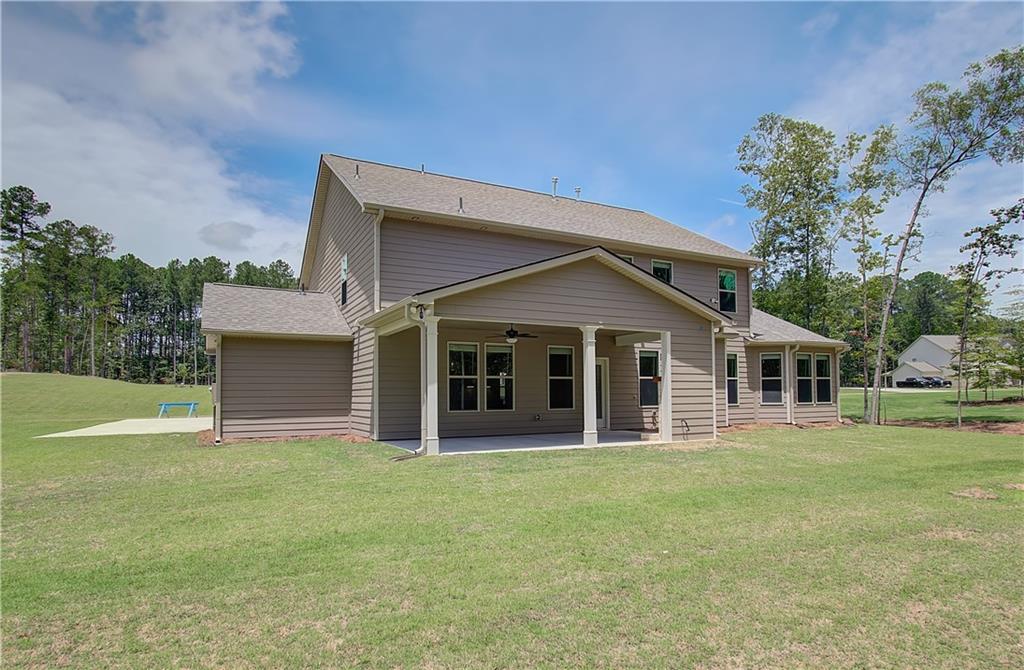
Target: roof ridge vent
554, 188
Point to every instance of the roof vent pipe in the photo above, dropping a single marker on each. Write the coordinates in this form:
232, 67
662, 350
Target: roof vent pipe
461, 210
554, 187
357, 170
578, 191
423, 168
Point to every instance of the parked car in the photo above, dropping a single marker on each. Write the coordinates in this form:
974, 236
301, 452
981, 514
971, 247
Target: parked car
912, 382
938, 382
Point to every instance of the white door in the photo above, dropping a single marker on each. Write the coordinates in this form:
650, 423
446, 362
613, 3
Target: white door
602, 393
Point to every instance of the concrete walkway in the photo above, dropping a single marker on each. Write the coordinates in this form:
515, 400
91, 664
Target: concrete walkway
141, 427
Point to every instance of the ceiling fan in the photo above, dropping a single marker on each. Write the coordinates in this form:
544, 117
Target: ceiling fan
511, 335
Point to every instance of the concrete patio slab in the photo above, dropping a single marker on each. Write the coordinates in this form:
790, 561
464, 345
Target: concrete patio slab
141, 427
540, 442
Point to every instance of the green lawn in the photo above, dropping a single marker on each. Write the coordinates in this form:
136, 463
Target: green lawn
777, 548
938, 405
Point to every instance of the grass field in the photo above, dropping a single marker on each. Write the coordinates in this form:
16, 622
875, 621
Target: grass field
934, 406
775, 548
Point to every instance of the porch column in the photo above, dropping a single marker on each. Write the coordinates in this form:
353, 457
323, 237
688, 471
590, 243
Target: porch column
431, 441
589, 385
665, 402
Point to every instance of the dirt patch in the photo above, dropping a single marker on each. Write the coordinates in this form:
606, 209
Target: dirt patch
976, 493
958, 534
744, 427
1014, 487
1001, 427
990, 403
205, 438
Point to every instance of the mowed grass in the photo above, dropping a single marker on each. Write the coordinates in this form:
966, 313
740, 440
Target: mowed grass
775, 548
937, 405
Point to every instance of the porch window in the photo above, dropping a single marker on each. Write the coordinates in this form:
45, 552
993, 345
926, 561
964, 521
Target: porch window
499, 370
823, 378
649, 379
561, 381
732, 379
662, 270
804, 380
463, 393
771, 379
727, 290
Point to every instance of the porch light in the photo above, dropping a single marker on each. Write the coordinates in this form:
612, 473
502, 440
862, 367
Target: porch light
511, 340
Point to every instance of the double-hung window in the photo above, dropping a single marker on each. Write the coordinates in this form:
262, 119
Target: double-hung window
771, 379
649, 379
463, 384
727, 290
662, 270
804, 379
561, 382
823, 378
732, 379
499, 370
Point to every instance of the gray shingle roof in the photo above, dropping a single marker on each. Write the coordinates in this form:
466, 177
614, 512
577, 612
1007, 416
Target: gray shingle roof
404, 188
767, 328
251, 309
947, 342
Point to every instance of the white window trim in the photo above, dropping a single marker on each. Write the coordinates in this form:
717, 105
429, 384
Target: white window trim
639, 377
781, 378
512, 376
736, 292
448, 376
626, 257
831, 390
729, 379
671, 269
343, 275
814, 381
548, 377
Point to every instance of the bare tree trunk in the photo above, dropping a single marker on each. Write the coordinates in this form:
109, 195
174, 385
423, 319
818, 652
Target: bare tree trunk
890, 297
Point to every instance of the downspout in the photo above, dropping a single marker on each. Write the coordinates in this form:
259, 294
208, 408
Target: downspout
789, 383
421, 450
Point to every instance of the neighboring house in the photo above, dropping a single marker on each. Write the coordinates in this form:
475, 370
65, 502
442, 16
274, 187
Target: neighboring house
410, 280
928, 356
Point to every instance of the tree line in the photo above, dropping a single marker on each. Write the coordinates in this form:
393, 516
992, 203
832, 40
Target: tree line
818, 195
69, 306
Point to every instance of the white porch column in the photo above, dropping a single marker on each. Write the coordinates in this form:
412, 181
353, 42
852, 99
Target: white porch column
431, 441
589, 385
665, 404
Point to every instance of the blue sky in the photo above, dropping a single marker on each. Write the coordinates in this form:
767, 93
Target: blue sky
191, 129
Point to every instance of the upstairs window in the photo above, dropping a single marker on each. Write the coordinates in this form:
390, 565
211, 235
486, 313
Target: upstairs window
499, 370
771, 379
649, 379
561, 383
732, 379
804, 379
344, 279
628, 259
463, 394
662, 270
823, 378
727, 290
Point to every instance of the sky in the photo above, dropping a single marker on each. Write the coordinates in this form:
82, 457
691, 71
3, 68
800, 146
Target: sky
191, 129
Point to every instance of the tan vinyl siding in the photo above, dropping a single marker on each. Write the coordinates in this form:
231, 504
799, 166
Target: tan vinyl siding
823, 412
589, 292
398, 370
273, 387
347, 230
418, 256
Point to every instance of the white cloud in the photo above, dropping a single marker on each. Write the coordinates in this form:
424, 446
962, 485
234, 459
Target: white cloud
122, 131
820, 24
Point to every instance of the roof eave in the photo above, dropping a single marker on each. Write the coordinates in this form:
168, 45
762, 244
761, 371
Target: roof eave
276, 335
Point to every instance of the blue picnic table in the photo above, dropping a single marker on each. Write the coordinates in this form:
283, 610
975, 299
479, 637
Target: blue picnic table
193, 407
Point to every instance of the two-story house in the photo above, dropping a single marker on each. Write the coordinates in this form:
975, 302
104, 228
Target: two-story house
927, 356
432, 308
